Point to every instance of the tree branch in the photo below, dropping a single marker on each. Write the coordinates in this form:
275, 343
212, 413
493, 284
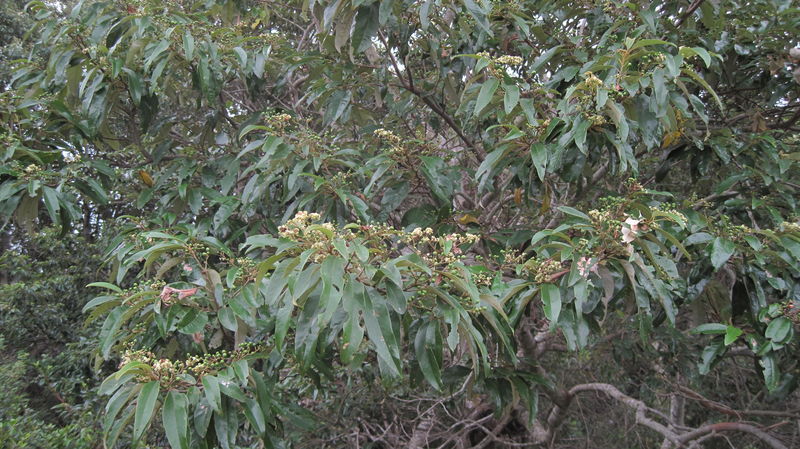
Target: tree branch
688, 438
733, 427
637, 405
436, 108
692, 8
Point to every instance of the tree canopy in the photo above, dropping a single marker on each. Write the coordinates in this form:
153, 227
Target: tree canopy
437, 210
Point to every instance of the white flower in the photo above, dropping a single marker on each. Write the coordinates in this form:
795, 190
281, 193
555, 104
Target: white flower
71, 157
629, 233
585, 266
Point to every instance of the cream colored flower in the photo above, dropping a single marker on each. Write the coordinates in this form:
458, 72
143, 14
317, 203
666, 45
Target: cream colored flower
586, 266
630, 232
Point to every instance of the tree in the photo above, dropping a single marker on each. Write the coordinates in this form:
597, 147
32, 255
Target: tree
305, 198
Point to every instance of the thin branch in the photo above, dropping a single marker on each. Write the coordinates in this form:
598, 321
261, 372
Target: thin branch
435, 107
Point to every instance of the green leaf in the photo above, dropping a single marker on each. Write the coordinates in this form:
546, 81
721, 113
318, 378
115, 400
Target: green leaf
551, 297
377, 320
574, 212
145, 406
489, 165
699, 80
108, 333
428, 349
99, 300
255, 415
539, 157
779, 329
479, 15
212, 392
580, 134
336, 105
105, 285
51, 203
710, 356
424, 12
175, 418
543, 58
687, 52
342, 32
648, 42
772, 375
188, 45
710, 328
721, 250
485, 95
731, 334
617, 114
367, 23
511, 97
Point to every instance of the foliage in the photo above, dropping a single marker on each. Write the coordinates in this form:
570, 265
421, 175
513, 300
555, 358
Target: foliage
45, 281
428, 193
48, 398
22, 426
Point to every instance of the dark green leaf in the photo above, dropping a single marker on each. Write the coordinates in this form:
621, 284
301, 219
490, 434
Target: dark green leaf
721, 250
145, 407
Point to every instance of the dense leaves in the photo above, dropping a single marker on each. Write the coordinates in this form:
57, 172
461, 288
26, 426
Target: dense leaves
426, 192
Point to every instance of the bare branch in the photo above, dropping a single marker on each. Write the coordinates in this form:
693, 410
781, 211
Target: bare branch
733, 427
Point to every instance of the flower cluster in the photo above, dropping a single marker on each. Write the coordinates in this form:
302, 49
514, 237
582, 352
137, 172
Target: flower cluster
246, 269
591, 80
72, 157
279, 122
382, 241
508, 60
724, 227
586, 95
404, 151
483, 279
167, 294
498, 66
542, 270
586, 266
616, 230
387, 136
632, 230
512, 257
438, 251
596, 119
171, 373
295, 228
502, 60
789, 226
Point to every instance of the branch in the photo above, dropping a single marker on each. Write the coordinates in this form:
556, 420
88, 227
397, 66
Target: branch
689, 437
409, 86
692, 8
639, 406
733, 427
